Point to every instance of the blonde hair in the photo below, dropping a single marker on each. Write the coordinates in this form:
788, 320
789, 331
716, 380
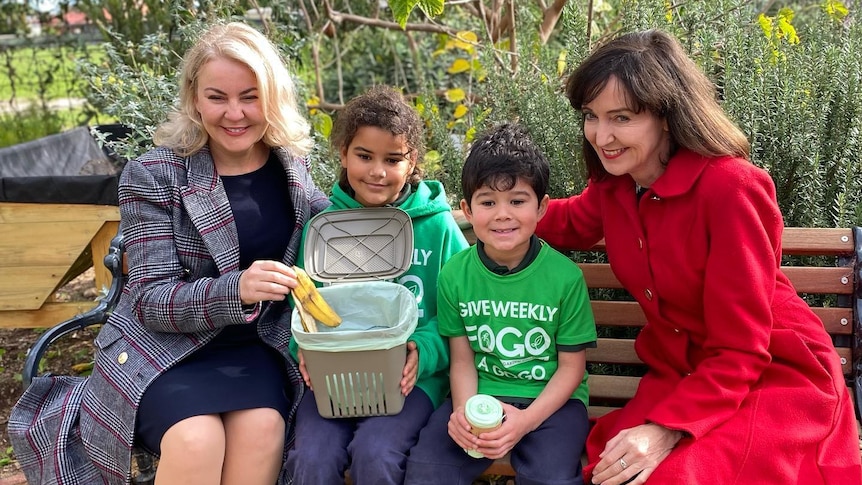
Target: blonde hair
286, 127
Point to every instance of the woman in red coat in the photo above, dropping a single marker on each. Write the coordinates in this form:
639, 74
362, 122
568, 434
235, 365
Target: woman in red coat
743, 383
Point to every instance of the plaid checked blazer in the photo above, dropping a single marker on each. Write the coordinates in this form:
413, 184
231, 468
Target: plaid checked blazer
183, 286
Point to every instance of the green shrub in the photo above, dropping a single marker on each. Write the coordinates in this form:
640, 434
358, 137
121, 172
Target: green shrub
800, 102
33, 123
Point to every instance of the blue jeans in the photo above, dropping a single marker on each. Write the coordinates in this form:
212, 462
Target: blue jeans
549, 455
374, 448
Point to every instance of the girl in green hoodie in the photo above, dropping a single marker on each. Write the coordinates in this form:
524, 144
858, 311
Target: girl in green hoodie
380, 140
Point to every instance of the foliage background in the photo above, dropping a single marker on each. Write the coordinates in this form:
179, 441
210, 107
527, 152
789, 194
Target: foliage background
786, 72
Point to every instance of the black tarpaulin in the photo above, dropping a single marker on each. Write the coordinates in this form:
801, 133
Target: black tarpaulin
66, 168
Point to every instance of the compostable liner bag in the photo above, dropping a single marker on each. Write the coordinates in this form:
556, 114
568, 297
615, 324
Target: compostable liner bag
376, 315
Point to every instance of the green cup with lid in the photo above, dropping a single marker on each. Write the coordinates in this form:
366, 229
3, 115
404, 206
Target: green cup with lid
484, 413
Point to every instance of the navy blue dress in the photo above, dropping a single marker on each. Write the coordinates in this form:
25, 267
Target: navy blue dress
235, 370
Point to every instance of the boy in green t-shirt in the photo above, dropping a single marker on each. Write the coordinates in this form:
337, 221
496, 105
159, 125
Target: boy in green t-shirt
519, 322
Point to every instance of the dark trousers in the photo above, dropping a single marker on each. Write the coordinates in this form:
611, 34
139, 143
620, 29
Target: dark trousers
550, 455
374, 448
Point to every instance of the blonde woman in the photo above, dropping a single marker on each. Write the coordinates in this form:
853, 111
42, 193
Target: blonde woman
191, 365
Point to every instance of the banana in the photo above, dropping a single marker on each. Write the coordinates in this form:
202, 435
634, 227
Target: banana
307, 321
311, 300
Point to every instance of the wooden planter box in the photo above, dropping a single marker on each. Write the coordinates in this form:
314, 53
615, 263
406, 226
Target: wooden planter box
39, 245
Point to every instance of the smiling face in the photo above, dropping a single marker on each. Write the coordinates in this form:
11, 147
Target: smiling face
227, 100
625, 141
377, 164
505, 220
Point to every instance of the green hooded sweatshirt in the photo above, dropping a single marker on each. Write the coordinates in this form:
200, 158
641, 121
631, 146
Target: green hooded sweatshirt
436, 238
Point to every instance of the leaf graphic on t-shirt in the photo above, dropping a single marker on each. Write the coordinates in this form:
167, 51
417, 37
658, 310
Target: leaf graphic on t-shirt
538, 341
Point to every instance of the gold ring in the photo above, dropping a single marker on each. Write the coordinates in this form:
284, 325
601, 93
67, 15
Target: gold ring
623, 464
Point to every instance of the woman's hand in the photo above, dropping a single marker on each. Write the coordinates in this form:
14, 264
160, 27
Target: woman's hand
411, 369
635, 451
266, 280
302, 370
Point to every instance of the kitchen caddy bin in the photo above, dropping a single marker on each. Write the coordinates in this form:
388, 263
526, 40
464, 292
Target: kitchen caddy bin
355, 368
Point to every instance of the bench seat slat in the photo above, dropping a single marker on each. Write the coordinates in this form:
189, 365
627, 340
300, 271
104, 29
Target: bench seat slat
599, 411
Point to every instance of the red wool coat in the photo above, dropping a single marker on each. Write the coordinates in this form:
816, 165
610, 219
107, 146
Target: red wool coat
736, 359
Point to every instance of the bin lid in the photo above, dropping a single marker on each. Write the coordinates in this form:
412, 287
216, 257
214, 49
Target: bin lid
366, 244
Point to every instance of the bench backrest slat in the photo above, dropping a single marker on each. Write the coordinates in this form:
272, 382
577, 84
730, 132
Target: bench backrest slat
618, 313
806, 241
622, 351
806, 279
613, 387
837, 320
821, 280
614, 351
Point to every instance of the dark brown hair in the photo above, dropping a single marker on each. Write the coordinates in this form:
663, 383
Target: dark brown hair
657, 75
502, 156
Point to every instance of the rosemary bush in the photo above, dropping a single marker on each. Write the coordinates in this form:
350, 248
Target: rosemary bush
798, 99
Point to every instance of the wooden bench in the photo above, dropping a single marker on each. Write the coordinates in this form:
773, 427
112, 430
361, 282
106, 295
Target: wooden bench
832, 267
825, 262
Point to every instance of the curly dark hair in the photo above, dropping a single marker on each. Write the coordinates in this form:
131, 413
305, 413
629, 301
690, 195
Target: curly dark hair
385, 108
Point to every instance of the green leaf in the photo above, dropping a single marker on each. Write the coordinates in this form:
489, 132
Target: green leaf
322, 123
401, 9
432, 8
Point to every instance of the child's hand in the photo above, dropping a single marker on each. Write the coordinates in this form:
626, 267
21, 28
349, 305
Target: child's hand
495, 444
411, 369
459, 430
302, 370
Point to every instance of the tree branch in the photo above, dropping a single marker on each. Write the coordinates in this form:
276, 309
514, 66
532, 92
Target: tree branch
340, 17
550, 17
513, 38
315, 52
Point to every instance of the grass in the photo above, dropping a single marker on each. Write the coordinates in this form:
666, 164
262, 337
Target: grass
36, 122
42, 73
35, 76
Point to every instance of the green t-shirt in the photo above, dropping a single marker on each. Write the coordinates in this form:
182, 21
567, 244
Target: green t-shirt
516, 323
